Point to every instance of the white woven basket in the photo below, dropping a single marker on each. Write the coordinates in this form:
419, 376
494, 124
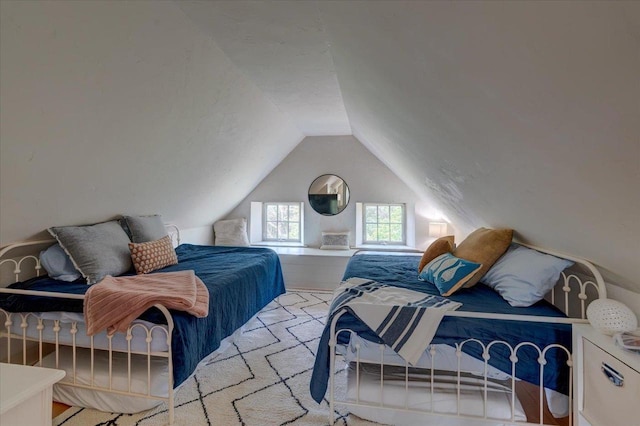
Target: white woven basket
610, 316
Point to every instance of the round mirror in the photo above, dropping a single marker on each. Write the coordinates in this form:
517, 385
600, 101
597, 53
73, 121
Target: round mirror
328, 195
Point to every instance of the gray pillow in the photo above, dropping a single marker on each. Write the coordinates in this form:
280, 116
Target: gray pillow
145, 228
96, 250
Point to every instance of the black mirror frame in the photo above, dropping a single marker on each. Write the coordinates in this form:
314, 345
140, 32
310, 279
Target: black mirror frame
322, 203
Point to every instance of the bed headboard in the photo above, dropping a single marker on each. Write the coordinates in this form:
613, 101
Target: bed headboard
577, 286
21, 260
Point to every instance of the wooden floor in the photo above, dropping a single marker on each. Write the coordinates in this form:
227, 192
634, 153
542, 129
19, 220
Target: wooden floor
529, 396
58, 408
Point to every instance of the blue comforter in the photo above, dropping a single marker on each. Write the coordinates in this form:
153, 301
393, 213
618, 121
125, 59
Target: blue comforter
402, 271
241, 281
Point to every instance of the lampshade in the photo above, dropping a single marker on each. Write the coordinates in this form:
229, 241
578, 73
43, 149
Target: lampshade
437, 229
610, 316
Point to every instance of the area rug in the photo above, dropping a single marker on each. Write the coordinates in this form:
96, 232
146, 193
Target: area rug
261, 379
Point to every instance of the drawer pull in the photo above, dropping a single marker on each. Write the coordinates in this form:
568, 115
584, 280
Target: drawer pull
614, 377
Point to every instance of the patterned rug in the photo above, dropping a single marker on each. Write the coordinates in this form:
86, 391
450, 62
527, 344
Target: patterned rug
260, 379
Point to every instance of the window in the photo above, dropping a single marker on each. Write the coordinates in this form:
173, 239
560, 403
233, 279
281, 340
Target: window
383, 224
282, 222
276, 224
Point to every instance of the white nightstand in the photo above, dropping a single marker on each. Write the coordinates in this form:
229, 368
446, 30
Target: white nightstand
606, 380
25, 394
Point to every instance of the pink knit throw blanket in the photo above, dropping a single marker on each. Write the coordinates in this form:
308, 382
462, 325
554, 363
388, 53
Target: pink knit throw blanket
114, 302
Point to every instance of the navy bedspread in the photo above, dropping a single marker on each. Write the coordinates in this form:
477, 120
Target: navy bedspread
241, 281
402, 271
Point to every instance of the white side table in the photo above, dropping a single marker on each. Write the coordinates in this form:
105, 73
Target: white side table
599, 400
25, 394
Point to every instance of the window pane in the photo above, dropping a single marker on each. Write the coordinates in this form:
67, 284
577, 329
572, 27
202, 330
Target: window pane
283, 212
395, 232
383, 214
371, 232
371, 214
282, 221
294, 213
272, 230
383, 223
294, 231
272, 213
383, 232
396, 214
283, 231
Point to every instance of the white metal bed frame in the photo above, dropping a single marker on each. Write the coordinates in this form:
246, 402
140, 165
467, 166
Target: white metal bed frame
71, 379
564, 303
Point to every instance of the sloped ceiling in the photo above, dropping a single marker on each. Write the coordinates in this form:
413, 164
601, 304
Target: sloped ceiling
516, 114
283, 47
519, 114
110, 108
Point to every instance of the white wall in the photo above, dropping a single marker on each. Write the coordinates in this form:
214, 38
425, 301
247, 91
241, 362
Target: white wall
113, 108
522, 114
629, 298
368, 180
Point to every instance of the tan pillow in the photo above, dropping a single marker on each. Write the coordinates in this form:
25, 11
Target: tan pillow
439, 247
483, 246
148, 257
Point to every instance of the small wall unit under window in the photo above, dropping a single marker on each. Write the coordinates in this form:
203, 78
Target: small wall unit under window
384, 225
277, 223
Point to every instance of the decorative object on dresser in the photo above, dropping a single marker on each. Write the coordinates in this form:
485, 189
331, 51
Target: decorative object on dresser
629, 340
335, 241
606, 380
611, 316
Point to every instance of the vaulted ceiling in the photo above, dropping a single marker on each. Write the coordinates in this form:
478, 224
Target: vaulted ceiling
518, 114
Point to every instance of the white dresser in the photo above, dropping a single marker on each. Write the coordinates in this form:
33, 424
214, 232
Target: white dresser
25, 394
606, 380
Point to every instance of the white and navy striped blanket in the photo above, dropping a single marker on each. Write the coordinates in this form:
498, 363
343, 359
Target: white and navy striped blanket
405, 320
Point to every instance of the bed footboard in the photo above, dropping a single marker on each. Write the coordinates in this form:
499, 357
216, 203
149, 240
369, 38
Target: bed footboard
136, 364
379, 389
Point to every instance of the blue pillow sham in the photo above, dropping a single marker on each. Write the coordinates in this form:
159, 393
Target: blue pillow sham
522, 276
449, 273
58, 264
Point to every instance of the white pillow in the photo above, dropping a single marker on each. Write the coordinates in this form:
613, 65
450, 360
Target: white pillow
523, 276
335, 241
231, 232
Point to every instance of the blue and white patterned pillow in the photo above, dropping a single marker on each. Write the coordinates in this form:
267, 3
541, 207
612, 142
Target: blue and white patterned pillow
449, 273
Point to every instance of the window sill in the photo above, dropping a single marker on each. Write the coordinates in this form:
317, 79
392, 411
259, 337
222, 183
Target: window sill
309, 251
277, 244
387, 247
